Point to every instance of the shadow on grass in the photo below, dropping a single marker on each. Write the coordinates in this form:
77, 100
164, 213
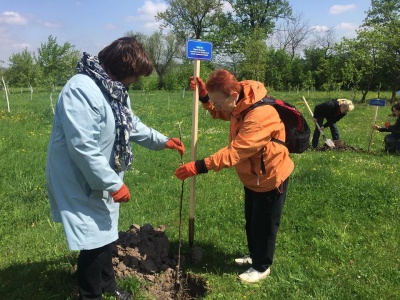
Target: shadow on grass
53, 279
213, 261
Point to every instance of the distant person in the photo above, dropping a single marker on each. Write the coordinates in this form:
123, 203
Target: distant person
88, 153
392, 140
332, 110
262, 165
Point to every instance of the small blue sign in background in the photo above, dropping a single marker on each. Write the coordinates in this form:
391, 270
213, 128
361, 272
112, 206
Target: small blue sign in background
377, 102
198, 50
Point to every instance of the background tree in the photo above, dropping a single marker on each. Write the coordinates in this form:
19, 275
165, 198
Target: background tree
254, 59
190, 19
23, 70
57, 62
163, 49
383, 19
292, 34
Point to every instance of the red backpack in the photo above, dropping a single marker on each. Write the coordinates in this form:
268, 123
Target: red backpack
296, 127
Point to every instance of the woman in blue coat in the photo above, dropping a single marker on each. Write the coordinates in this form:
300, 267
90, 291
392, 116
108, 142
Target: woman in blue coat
88, 152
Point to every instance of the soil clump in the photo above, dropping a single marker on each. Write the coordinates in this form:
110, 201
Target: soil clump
145, 252
339, 146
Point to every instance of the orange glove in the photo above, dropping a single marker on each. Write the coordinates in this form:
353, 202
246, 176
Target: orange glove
186, 170
387, 124
202, 86
175, 143
122, 195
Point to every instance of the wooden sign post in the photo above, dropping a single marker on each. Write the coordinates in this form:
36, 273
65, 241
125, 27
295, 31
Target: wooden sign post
196, 50
376, 103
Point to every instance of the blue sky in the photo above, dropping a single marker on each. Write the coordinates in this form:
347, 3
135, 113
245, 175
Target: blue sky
91, 25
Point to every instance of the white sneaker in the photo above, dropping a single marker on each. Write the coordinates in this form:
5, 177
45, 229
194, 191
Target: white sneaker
245, 260
252, 275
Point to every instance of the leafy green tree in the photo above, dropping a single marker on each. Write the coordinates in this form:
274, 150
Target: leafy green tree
57, 62
278, 71
162, 49
254, 59
313, 59
24, 70
383, 19
190, 19
234, 28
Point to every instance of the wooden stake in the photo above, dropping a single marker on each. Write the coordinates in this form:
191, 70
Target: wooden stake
195, 113
372, 129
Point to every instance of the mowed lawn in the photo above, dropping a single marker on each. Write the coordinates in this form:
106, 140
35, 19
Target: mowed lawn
338, 239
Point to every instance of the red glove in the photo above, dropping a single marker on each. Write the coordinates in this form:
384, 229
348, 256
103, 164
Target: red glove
122, 195
387, 124
200, 83
175, 143
186, 170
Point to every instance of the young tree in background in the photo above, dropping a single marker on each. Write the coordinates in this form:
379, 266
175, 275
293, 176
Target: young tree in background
57, 62
23, 70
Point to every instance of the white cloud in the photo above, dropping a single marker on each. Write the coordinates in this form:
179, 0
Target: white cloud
320, 28
347, 26
150, 9
21, 46
12, 18
227, 7
339, 9
146, 15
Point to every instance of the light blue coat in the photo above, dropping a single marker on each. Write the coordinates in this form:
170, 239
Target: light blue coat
79, 164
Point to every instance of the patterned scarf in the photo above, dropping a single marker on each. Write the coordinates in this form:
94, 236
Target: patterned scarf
90, 65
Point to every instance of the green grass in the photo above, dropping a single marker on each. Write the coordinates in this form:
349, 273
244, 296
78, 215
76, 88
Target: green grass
338, 239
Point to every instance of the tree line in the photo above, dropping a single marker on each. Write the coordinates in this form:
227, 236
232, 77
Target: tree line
255, 39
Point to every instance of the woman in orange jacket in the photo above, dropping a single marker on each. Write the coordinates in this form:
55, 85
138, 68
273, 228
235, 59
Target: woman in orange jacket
262, 165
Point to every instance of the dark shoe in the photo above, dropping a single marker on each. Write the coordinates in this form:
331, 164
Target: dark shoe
122, 295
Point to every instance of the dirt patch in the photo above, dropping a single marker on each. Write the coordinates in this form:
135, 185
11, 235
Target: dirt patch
145, 252
339, 146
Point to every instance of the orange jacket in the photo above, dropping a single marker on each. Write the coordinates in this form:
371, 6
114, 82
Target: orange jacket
250, 144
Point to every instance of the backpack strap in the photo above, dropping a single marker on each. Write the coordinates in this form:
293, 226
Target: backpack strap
267, 100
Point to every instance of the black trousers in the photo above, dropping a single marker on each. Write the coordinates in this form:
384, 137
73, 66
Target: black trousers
263, 213
95, 273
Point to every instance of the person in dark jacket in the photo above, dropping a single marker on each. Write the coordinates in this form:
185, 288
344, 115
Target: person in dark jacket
392, 140
332, 110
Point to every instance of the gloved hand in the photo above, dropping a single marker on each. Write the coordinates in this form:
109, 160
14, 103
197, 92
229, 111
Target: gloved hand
203, 94
387, 124
122, 195
175, 143
186, 170
191, 169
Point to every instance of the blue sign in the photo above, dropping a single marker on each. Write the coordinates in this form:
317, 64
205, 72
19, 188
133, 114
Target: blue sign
196, 49
377, 102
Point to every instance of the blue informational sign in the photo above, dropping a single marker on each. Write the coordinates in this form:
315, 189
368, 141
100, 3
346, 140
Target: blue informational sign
377, 102
196, 49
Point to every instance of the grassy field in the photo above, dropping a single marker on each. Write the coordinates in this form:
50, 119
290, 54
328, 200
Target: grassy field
339, 235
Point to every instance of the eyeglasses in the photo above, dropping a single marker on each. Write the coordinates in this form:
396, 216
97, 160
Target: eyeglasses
219, 105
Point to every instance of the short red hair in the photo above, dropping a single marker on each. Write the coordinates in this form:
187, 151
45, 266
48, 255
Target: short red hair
223, 81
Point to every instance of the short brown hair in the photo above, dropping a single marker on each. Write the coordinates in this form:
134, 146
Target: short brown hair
223, 81
126, 57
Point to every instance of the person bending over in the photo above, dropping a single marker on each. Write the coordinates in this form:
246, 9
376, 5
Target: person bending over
262, 165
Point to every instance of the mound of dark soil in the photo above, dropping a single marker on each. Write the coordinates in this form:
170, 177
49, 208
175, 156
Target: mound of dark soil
339, 146
145, 252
